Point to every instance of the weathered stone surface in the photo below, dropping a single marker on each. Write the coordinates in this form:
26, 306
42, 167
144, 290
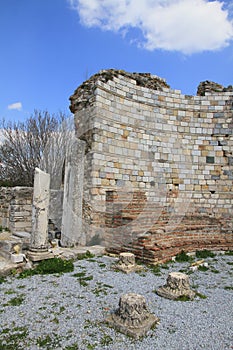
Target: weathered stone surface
39, 236
132, 317
72, 231
177, 286
127, 263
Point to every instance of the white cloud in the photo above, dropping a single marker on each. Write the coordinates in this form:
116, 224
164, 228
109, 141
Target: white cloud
187, 26
16, 105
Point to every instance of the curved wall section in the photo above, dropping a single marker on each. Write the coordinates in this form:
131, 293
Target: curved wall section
158, 165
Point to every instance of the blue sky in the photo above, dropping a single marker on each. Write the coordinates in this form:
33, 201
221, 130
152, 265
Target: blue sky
49, 47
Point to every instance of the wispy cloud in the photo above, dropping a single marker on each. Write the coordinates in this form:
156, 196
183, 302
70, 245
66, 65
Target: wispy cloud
17, 106
187, 26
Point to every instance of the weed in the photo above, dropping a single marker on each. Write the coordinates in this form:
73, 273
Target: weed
106, 340
90, 346
101, 288
229, 263
102, 265
155, 269
22, 286
55, 320
62, 308
203, 254
228, 288
87, 255
10, 291
229, 252
82, 278
215, 271
13, 340
48, 342
2, 279
203, 268
71, 347
50, 266
15, 301
79, 274
183, 257
200, 295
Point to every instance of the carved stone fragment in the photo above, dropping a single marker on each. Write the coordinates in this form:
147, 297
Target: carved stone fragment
176, 287
132, 317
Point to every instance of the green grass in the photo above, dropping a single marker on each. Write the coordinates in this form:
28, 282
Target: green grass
229, 252
2, 279
228, 287
203, 268
155, 269
183, 257
203, 254
16, 301
200, 295
87, 255
50, 266
12, 339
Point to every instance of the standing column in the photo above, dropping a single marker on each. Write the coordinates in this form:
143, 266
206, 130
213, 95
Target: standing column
39, 235
72, 233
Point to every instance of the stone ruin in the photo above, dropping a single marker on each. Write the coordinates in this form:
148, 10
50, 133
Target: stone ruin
149, 172
177, 286
127, 263
132, 317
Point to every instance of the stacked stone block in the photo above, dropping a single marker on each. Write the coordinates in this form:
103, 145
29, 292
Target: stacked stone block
172, 149
16, 209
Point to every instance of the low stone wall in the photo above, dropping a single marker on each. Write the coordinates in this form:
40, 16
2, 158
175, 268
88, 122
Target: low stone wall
16, 208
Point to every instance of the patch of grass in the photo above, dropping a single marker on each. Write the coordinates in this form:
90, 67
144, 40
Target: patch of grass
12, 339
71, 347
229, 252
203, 254
102, 265
200, 295
203, 268
101, 288
79, 274
48, 342
230, 263
82, 278
87, 255
155, 269
183, 257
106, 340
50, 266
10, 291
2, 279
228, 287
15, 301
215, 270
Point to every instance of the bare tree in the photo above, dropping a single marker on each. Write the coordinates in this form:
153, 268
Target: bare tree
23, 146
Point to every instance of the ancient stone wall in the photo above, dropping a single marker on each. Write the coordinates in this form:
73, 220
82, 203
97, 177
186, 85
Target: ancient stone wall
158, 165
16, 208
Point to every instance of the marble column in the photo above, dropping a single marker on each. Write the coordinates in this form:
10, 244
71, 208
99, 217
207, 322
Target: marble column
72, 232
41, 194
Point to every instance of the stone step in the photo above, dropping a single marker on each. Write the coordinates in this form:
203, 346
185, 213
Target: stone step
24, 237
7, 246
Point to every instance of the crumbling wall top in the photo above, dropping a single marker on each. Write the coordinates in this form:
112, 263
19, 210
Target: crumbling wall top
85, 92
211, 87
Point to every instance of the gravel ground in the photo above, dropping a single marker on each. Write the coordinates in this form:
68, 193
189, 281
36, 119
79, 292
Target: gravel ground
67, 311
